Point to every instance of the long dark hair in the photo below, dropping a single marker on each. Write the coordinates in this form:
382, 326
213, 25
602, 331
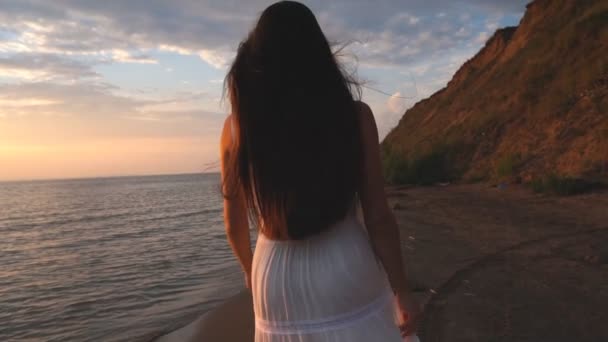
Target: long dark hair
297, 150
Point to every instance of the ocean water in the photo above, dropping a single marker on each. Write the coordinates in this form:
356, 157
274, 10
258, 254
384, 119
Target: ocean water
111, 259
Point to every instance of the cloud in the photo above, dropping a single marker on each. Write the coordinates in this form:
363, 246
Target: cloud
85, 28
482, 37
96, 101
57, 45
395, 103
38, 67
126, 57
217, 59
212, 30
70, 99
402, 18
26, 102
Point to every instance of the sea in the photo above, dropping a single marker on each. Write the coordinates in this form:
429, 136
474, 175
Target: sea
111, 259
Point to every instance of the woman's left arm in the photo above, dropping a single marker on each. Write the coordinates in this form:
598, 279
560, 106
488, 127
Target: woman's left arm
235, 209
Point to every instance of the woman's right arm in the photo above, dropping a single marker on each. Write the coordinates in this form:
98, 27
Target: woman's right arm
380, 222
235, 208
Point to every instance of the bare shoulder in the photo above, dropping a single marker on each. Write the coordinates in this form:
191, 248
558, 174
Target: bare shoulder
363, 108
367, 121
226, 140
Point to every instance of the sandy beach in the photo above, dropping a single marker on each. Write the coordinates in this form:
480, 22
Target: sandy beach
489, 265
507, 265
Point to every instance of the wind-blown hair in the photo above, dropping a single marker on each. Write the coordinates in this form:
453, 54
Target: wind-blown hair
297, 145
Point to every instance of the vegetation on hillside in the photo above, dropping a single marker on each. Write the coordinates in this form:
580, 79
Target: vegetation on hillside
531, 106
428, 169
564, 186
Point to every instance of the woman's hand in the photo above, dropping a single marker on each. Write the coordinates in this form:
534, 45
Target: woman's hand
410, 313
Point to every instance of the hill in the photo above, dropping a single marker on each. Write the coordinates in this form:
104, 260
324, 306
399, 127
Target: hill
531, 104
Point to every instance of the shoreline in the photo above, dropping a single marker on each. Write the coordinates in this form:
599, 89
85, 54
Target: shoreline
218, 323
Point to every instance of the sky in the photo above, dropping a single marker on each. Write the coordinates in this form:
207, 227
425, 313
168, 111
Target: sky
104, 88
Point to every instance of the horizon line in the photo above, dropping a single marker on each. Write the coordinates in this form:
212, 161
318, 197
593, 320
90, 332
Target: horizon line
26, 180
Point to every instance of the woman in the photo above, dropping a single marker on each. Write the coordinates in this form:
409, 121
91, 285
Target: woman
299, 153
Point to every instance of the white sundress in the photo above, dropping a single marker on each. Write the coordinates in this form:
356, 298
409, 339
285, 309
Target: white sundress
330, 287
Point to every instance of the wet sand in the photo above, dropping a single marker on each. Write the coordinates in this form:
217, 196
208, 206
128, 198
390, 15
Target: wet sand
489, 265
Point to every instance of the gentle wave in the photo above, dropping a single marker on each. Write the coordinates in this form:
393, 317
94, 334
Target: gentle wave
116, 259
92, 218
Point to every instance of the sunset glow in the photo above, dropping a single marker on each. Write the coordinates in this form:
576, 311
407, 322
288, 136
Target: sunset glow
92, 88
